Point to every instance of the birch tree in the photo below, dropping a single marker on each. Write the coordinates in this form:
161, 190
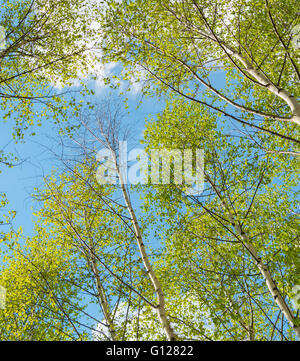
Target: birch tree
236, 245
40, 303
232, 253
100, 225
82, 217
238, 58
109, 135
45, 45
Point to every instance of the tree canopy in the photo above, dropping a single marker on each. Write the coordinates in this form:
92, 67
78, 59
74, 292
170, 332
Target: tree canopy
154, 260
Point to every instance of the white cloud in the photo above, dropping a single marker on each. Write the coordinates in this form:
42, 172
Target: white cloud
190, 316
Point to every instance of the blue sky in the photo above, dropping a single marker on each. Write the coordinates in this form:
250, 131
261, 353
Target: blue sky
37, 161
36, 158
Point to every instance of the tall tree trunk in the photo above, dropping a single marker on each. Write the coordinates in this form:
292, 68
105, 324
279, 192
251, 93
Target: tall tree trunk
263, 268
265, 272
154, 280
103, 300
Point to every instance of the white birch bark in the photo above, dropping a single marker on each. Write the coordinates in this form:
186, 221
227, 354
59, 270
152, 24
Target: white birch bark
257, 74
263, 268
103, 300
161, 311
